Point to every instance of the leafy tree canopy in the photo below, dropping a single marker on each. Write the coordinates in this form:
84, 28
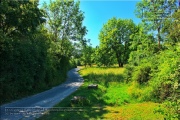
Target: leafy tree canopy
154, 13
19, 16
65, 20
115, 38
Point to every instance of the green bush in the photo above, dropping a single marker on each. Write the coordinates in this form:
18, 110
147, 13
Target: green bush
129, 69
141, 92
142, 74
167, 75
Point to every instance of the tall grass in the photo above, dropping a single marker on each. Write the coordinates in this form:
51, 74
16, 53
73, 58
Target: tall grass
101, 70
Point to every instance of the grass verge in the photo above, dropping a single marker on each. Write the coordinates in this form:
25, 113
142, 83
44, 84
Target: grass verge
110, 101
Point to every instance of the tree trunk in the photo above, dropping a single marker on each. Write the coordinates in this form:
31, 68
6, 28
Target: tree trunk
119, 60
120, 64
159, 39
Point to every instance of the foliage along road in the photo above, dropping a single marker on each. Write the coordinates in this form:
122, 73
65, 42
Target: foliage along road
36, 105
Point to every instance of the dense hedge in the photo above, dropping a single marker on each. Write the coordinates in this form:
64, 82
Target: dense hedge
28, 66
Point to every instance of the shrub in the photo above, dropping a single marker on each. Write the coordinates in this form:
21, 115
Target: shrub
129, 69
142, 74
167, 74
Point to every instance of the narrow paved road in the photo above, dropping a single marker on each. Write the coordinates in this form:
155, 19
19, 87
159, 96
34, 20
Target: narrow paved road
34, 106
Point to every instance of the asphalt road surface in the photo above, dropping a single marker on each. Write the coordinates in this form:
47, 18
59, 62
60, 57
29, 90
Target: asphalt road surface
35, 106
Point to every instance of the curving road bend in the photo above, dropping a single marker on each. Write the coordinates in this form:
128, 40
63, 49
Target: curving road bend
34, 106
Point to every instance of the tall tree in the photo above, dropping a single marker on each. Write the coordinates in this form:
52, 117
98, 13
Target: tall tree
19, 16
104, 57
154, 12
65, 20
86, 58
142, 46
64, 24
115, 36
172, 28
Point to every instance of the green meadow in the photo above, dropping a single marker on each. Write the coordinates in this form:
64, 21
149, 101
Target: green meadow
112, 100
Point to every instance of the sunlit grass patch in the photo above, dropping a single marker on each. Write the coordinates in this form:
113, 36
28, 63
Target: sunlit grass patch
103, 76
116, 95
101, 70
137, 111
110, 101
140, 92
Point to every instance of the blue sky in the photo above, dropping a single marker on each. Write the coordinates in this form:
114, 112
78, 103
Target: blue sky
98, 12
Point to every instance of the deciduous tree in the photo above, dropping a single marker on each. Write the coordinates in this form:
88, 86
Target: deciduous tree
115, 37
154, 13
19, 16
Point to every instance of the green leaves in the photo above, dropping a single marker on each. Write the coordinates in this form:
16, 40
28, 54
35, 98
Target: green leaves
64, 24
30, 60
19, 17
115, 39
87, 55
154, 13
154, 68
172, 28
65, 20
